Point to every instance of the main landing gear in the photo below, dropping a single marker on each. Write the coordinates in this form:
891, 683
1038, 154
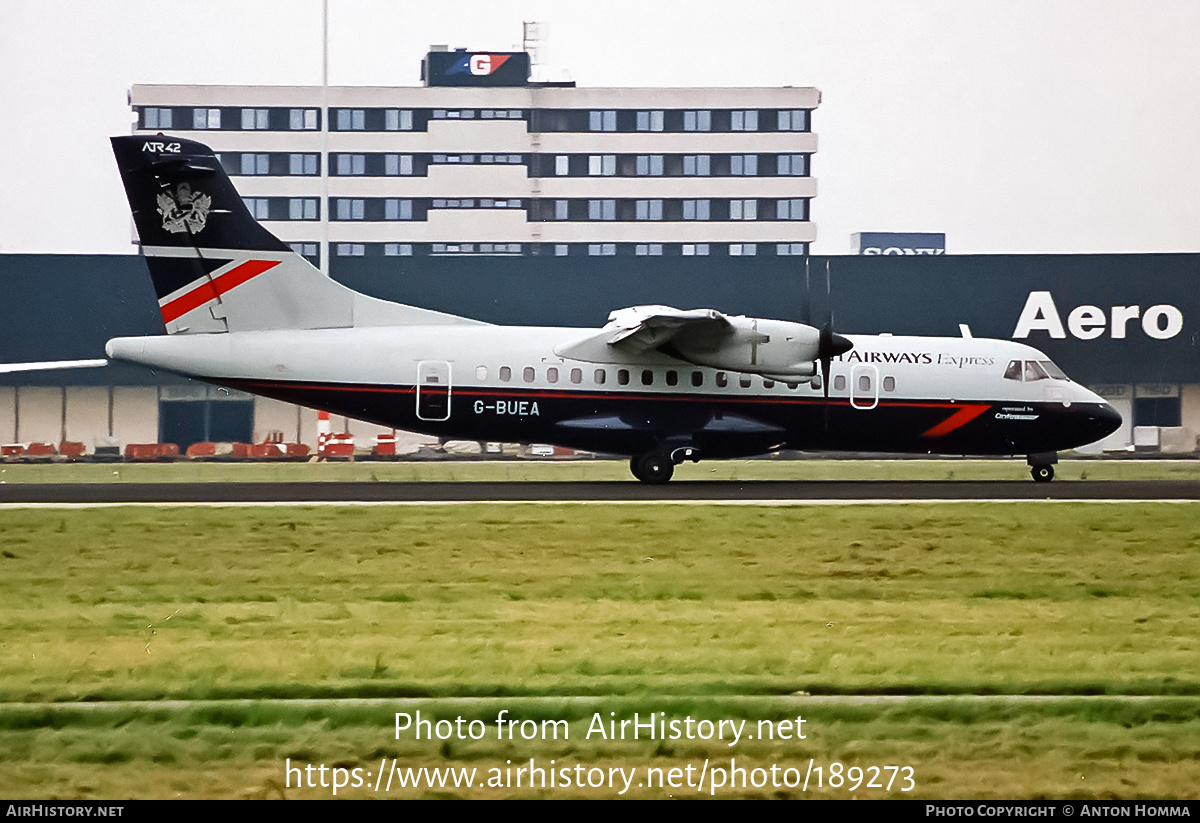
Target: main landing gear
1041, 466
658, 466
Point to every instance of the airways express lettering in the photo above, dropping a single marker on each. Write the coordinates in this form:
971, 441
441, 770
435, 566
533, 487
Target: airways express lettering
914, 358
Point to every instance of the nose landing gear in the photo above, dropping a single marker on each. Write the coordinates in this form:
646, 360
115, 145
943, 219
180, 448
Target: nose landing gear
1041, 466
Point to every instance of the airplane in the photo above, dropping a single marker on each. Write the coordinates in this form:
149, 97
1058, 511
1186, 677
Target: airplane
658, 384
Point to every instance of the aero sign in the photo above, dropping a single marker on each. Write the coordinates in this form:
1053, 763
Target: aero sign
1160, 322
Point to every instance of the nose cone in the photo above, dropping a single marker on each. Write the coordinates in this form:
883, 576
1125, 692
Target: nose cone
1098, 422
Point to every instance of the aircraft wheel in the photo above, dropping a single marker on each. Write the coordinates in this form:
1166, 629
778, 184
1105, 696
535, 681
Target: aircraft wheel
1042, 474
652, 468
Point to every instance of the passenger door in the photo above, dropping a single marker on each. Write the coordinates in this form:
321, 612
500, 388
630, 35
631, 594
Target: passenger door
433, 390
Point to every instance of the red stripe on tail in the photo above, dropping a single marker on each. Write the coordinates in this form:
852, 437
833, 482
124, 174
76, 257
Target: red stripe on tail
213, 289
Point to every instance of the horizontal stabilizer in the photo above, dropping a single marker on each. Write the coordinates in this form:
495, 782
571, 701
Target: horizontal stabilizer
47, 365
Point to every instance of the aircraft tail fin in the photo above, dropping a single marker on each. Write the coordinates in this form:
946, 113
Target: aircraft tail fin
214, 267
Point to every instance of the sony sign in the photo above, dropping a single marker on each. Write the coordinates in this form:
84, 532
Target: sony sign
1160, 322
880, 243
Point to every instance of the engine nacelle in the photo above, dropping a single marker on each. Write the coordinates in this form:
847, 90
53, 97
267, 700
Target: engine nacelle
773, 348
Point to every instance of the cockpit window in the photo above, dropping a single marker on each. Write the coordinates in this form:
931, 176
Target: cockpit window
1033, 371
1013, 372
1053, 370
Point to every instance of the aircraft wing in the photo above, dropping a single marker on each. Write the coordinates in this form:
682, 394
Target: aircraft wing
641, 328
46, 365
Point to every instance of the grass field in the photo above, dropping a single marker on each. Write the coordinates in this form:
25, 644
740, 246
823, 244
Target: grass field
1077, 624
544, 470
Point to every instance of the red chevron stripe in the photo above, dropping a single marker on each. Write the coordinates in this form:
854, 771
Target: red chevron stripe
212, 289
955, 421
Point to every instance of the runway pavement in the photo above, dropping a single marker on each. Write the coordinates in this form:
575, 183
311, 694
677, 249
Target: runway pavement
715, 491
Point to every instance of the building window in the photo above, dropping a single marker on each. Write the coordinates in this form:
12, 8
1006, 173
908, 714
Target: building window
259, 207
305, 250
351, 208
792, 165
561, 249
348, 164
256, 164
696, 209
649, 210
743, 249
303, 164
351, 119
350, 250
394, 209
743, 209
790, 249
793, 120
649, 165
302, 119
397, 249
602, 210
397, 164
743, 164
696, 165
794, 209
254, 120
602, 165
694, 250
302, 208
156, 118
649, 121
562, 165
648, 250
743, 120
397, 120
206, 118
602, 120
697, 120
560, 209
602, 249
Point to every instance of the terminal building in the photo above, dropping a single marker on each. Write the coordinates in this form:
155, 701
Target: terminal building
484, 194
481, 161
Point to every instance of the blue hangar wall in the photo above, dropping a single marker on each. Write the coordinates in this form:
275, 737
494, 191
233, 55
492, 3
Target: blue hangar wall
67, 306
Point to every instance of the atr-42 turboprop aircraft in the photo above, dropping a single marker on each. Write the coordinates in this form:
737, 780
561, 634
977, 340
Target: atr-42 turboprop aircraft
660, 384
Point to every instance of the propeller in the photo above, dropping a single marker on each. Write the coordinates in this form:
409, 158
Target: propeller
829, 344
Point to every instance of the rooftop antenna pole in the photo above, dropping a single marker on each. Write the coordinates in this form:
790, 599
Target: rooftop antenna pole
324, 250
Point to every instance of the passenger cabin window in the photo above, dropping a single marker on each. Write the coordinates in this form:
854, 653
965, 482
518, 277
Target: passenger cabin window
647, 377
864, 382
672, 377
816, 382
505, 374
722, 379
697, 378
889, 384
839, 382
481, 373
552, 374
528, 374
768, 384
744, 381
623, 376
576, 375
599, 376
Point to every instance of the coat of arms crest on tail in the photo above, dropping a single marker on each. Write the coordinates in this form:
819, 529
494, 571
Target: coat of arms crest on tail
185, 211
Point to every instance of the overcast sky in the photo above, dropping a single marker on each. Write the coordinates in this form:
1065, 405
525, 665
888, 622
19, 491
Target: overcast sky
1014, 126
